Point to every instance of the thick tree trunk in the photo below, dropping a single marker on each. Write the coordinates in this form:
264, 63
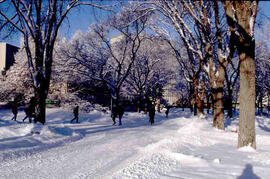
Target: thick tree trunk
41, 83
40, 108
247, 101
246, 49
41, 93
218, 121
242, 14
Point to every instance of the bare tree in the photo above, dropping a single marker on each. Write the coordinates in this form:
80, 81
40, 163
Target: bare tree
107, 59
40, 21
153, 58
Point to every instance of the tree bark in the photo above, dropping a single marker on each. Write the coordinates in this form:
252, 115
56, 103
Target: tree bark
208, 104
242, 14
218, 121
198, 106
191, 96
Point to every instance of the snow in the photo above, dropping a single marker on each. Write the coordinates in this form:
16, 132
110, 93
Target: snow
182, 146
247, 149
217, 74
206, 68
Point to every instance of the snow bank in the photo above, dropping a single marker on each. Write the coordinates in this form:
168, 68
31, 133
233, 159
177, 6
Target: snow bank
247, 149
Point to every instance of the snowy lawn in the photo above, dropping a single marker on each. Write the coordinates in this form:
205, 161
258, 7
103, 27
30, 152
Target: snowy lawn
181, 146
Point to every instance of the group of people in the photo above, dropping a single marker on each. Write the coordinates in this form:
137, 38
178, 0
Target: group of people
118, 111
29, 110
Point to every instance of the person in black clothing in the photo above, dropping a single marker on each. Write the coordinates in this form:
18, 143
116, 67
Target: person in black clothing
76, 114
117, 110
120, 114
30, 110
167, 111
28, 113
14, 110
152, 114
114, 113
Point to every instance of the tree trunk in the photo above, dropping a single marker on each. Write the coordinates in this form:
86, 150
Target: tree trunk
191, 96
195, 109
40, 108
198, 107
208, 104
191, 108
218, 121
246, 50
260, 105
268, 103
158, 104
230, 106
41, 83
41, 92
139, 104
195, 97
247, 100
242, 14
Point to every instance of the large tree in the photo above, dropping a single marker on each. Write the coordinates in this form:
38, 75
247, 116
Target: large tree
152, 66
241, 17
39, 21
109, 59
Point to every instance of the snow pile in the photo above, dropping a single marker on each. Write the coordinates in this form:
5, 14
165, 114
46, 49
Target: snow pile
247, 149
217, 160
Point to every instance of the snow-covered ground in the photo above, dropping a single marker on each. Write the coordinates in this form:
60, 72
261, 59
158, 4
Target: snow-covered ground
181, 146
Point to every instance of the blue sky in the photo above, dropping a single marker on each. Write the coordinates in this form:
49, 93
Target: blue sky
83, 17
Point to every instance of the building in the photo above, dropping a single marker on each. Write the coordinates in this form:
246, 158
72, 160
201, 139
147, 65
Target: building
170, 93
7, 53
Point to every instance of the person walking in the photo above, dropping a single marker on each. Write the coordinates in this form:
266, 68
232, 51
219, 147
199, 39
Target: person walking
167, 111
14, 110
29, 113
114, 113
76, 114
152, 114
30, 110
120, 114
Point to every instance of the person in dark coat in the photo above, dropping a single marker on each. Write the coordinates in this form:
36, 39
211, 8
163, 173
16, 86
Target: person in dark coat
76, 114
117, 111
167, 111
152, 114
28, 114
14, 110
30, 110
114, 113
120, 114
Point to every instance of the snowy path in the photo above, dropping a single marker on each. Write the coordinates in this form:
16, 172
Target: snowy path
178, 147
